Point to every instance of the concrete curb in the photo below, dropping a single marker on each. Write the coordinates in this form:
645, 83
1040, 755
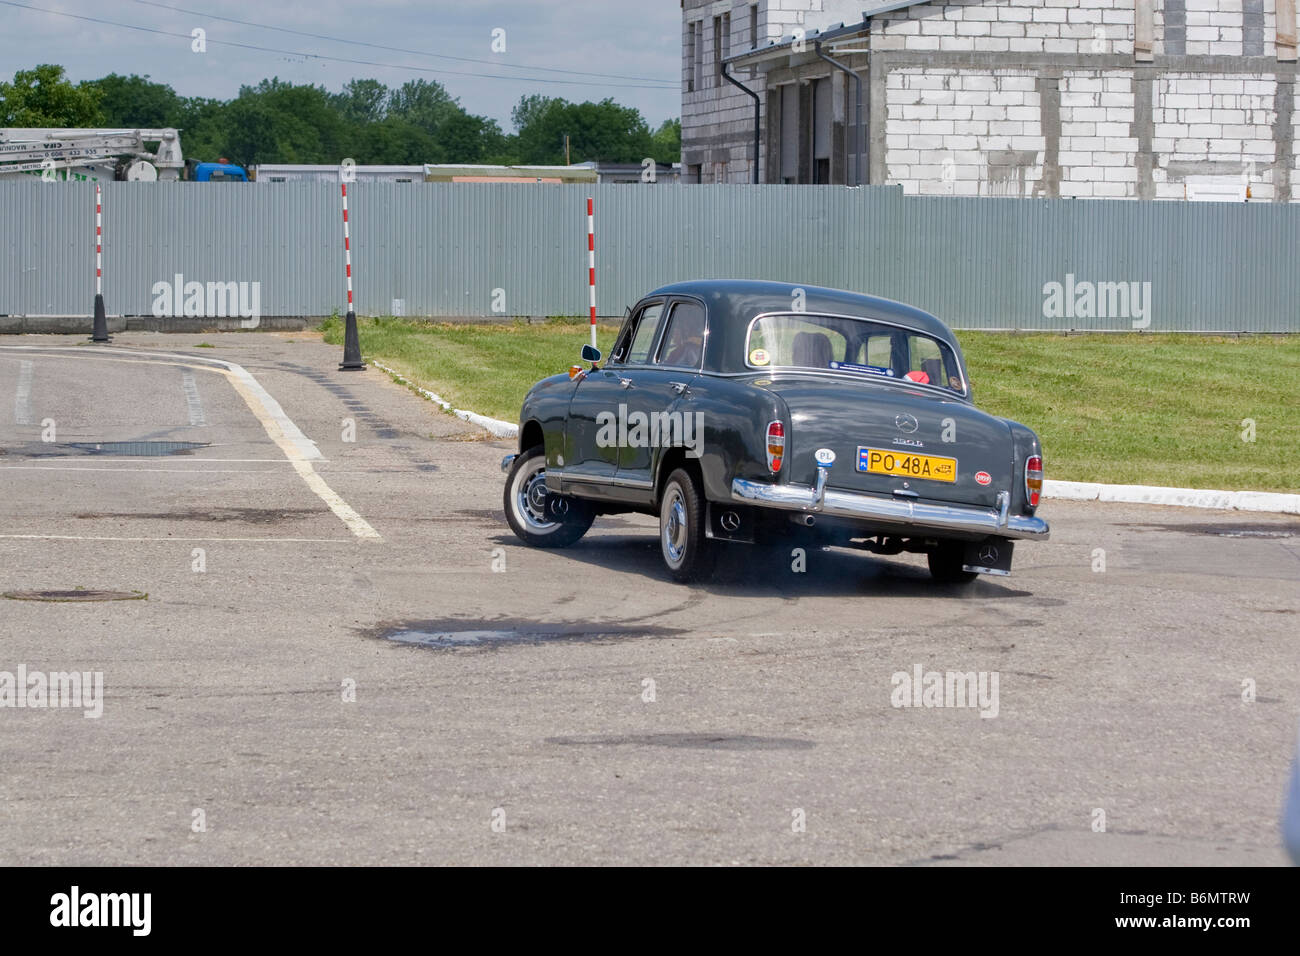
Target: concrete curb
1180, 497
81, 325
493, 425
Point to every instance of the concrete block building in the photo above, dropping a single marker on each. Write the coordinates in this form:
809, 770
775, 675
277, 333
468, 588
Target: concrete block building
1138, 99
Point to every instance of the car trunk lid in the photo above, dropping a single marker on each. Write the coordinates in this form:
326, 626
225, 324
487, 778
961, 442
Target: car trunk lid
919, 435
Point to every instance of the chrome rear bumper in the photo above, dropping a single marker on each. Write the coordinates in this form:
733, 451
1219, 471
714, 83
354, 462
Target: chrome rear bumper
917, 516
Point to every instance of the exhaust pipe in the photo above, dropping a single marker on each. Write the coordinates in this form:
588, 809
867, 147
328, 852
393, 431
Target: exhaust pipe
806, 520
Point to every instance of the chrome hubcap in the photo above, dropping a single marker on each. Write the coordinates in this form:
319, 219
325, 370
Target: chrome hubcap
530, 498
673, 522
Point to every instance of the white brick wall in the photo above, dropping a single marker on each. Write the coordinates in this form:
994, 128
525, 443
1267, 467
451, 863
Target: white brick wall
945, 129
1202, 118
1215, 28
1010, 26
1295, 168
1097, 147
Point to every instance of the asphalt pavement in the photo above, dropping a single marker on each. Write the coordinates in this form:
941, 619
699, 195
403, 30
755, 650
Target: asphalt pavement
337, 653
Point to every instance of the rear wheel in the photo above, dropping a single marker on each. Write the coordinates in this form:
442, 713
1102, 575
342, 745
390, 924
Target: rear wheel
946, 564
536, 516
688, 554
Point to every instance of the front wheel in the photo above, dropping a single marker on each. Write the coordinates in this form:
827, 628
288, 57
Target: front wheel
537, 517
688, 554
946, 564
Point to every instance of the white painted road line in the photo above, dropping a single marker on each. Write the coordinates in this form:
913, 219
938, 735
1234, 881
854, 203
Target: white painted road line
192, 400
198, 472
23, 397
297, 447
167, 540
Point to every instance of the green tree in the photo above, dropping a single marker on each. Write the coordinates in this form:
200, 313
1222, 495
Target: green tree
426, 103
666, 143
135, 101
43, 98
278, 122
362, 101
601, 131
395, 141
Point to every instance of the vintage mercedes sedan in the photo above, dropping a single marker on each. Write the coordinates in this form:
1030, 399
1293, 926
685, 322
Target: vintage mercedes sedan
749, 412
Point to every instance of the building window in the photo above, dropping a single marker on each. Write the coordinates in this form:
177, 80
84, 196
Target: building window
692, 43
821, 131
717, 51
697, 67
789, 157
753, 26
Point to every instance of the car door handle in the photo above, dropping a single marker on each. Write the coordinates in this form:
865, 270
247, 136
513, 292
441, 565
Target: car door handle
625, 382
679, 387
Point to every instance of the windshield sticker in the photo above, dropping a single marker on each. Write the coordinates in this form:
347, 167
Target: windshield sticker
869, 369
759, 357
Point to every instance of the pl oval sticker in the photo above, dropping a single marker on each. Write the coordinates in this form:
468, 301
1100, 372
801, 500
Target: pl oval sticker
983, 477
825, 457
759, 357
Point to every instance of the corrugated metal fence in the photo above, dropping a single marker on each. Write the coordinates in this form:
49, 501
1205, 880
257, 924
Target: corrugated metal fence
462, 249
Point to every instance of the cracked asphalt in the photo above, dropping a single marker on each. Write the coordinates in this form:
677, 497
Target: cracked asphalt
575, 706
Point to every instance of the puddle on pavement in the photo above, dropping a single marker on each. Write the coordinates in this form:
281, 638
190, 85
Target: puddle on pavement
687, 741
240, 515
77, 595
120, 449
1258, 529
499, 633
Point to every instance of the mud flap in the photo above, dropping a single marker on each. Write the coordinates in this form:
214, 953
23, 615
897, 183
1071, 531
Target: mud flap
727, 523
990, 556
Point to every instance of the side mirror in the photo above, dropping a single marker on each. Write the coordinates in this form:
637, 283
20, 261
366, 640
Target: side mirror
590, 354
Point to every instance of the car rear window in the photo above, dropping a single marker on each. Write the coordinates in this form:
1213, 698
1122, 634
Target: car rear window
857, 346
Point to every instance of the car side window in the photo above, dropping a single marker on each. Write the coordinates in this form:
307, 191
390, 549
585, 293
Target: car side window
931, 364
683, 345
618, 354
643, 338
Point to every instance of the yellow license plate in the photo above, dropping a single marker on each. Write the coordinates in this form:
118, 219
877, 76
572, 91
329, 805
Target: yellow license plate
881, 461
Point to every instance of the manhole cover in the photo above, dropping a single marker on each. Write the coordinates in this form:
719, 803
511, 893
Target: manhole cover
139, 449
77, 595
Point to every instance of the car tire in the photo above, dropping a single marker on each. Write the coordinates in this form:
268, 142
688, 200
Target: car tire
946, 564
688, 553
525, 505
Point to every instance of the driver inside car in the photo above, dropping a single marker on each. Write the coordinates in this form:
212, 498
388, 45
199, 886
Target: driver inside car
685, 345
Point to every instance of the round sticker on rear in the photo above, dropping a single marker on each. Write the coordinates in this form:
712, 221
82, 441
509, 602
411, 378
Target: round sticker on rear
983, 477
824, 456
759, 357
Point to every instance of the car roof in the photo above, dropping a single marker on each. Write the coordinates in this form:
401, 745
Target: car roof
732, 303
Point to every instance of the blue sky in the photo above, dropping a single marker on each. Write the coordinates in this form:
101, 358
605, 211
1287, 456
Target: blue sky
637, 43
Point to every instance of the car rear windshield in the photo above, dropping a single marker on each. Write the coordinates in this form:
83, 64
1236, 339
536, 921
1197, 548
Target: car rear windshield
853, 346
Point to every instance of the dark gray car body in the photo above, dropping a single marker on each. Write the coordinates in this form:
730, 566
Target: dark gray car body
835, 410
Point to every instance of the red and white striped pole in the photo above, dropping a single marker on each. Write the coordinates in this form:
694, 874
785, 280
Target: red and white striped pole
351, 340
591, 263
100, 331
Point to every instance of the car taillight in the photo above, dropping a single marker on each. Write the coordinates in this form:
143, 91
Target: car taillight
775, 446
1034, 480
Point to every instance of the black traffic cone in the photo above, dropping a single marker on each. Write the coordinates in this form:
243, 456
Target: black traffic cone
351, 346
101, 321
